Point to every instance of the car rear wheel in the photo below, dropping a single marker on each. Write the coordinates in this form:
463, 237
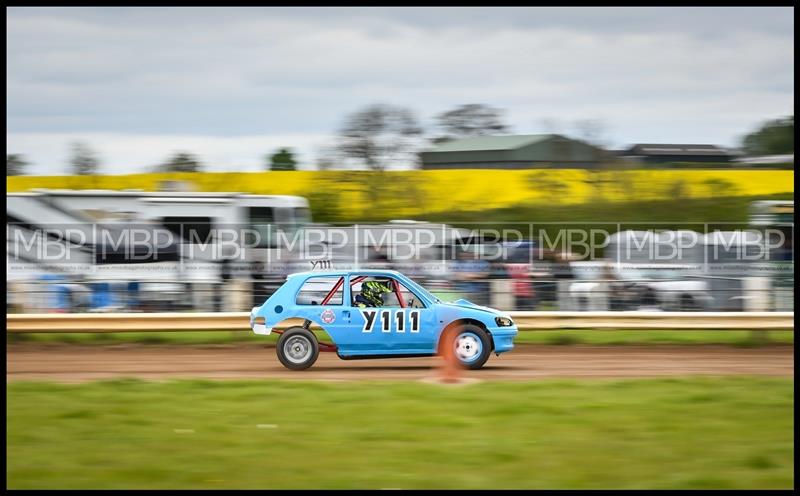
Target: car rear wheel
470, 344
298, 348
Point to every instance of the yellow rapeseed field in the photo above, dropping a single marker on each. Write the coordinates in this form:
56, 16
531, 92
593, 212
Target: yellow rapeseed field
413, 192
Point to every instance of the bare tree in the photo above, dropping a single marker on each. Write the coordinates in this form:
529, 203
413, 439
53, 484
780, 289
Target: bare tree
84, 161
327, 155
379, 135
15, 164
550, 125
180, 162
472, 119
592, 131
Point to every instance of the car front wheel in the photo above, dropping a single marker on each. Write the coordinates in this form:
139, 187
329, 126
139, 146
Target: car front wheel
471, 345
297, 348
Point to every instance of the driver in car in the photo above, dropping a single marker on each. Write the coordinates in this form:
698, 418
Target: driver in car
372, 293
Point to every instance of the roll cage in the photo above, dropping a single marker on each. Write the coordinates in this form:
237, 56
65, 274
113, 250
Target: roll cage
358, 279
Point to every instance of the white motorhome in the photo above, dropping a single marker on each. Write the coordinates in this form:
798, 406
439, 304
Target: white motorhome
164, 240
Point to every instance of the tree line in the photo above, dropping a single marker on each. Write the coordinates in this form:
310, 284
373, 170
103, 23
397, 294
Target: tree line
380, 135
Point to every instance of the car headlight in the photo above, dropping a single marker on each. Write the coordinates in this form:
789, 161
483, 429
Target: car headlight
504, 321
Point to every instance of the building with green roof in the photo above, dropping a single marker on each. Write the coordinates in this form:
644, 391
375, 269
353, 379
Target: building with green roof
523, 151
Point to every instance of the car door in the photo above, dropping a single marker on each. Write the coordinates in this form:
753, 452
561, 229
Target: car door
403, 324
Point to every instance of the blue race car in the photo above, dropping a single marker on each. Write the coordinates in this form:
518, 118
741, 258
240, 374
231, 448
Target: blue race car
377, 314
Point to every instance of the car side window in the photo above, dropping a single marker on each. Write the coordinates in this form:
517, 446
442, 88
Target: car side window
378, 292
316, 289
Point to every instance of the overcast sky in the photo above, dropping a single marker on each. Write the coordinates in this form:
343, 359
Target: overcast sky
231, 85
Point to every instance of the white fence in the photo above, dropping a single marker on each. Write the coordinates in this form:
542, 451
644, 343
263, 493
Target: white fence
128, 322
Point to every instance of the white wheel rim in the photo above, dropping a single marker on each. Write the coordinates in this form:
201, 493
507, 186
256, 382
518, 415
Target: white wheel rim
297, 349
468, 347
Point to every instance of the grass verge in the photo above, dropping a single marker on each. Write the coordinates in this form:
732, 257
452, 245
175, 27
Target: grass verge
555, 337
654, 433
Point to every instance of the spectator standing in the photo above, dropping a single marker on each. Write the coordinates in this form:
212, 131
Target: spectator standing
225, 276
470, 276
522, 286
562, 272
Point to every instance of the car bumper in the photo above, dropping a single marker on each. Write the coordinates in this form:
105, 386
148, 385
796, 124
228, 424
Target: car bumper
503, 338
258, 328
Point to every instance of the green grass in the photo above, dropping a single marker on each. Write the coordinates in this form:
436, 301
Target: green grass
632, 337
556, 337
655, 433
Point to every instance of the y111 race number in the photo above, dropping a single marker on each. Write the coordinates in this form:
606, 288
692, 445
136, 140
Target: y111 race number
382, 320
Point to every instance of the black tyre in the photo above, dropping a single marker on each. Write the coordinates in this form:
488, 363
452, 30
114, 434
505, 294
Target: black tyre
471, 345
297, 348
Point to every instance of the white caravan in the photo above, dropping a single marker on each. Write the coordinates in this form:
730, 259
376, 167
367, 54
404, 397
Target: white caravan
165, 240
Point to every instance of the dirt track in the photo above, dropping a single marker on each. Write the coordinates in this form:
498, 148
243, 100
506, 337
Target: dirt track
76, 363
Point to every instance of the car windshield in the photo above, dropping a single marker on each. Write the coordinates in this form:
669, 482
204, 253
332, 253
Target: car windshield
412, 285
